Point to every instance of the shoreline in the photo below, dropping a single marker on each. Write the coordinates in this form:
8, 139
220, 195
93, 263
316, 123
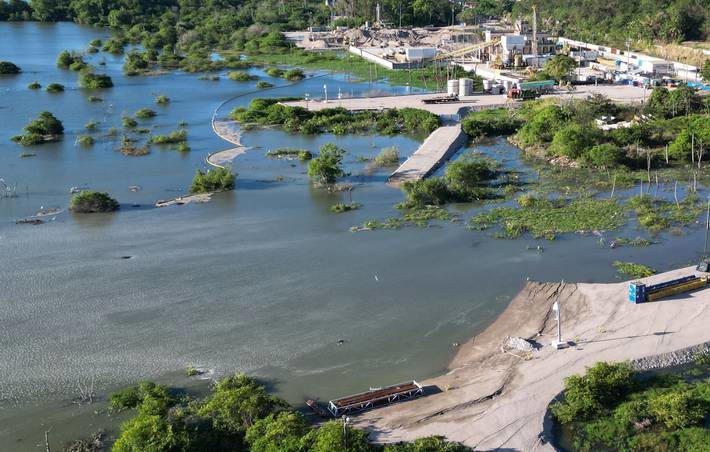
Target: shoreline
492, 399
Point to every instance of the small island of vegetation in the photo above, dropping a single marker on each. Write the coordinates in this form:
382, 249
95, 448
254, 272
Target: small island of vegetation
8, 68
93, 202
214, 180
55, 88
327, 167
94, 81
46, 128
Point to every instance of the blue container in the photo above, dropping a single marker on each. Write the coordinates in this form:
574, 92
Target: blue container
637, 292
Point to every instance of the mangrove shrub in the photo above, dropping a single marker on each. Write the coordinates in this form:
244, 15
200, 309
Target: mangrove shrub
92, 202
327, 167
217, 179
93, 81
8, 68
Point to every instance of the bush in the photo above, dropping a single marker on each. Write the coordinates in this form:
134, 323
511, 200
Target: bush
281, 432
66, 59
55, 88
487, 123
341, 207
294, 75
387, 157
34, 85
542, 125
162, 100
275, 72
94, 81
94, 99
329, 437
290, 154
573, 140
264, 85
135, 63
145, 113
326, 168
8, 68
30, 139
240, 76
91, 202
45, 128
426, 192
133, 396
177, 136
85, 140
183, 147
586, 396
606, 155
218, 179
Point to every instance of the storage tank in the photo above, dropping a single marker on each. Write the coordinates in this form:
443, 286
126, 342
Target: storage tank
487, 86
419, 53
465, 87
452, 87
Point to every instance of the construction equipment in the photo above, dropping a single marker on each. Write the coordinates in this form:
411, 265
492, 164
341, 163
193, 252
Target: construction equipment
641, 293
523, 94
466, 50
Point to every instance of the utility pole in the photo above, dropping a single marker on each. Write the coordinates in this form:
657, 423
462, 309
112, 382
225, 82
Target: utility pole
534, 34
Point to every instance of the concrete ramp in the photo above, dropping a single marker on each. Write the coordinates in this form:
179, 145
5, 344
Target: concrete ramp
436, 149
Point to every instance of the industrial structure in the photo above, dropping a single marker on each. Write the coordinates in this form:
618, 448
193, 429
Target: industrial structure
641, 293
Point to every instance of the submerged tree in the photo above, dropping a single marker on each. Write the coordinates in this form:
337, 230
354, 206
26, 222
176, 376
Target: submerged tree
326, 168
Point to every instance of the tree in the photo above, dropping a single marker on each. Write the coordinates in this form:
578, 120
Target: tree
91, 80
677, 409
282, 432
428, 444
333, 436
605, 155
705, 72
92, 202
46, 124
560, 67
326, 168
7, 68
573, 140
658, 103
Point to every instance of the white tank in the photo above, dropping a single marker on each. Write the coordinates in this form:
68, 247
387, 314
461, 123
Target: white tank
465, 87
452, 87
486, 85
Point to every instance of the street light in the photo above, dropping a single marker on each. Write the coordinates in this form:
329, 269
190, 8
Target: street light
559, 343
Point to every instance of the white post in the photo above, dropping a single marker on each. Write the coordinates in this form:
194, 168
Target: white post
325, 89
556, 308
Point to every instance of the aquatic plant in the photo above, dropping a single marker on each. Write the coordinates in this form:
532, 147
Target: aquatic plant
55, 88
177, 136
94, 99
634, 270
656, 214
388, 156
241, 76
263, 85
275, 72
162, 100
92, 202
128, 122
145, 113
547, 218
294, 75
85, 140
66, 59
91, 125
34, 85
341, 207
289, 154
216, 179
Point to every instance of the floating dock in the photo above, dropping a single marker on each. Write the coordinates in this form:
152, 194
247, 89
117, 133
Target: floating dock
436, 149
641, 293
375, 397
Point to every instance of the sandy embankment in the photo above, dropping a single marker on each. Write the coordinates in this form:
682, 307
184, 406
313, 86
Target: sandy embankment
224, 131
494, 400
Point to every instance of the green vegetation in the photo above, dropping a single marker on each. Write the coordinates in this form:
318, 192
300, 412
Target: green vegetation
657, 214
275, 72
85, 140
387, 157
217, 179
55, 88
705, 71
128, 122
559, 67
238, 414
611, 408
192, 372
136, 63
327, 167
264, 85
465, 180
162, 100
94, 99
92, 202
634, 270
8, 68
290, 154
70, 60
547, 218
213, 78
342, 207
145, 113
94, 81
178, 136
241, 76
338, 121
294, 75
34, 85
45, 128
183, 147
417, 216
493, 122
91, 125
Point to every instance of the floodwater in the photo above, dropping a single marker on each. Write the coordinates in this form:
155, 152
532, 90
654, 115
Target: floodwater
264, 280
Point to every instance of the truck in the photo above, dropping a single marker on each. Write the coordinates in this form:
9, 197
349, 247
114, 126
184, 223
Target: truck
523, 94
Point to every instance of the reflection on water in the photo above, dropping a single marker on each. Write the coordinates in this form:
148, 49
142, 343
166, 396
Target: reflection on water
264, 280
